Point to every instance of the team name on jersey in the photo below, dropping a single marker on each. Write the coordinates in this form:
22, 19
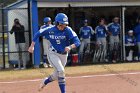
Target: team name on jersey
116, 27
85, 30
57, 37
129, 40
100, 30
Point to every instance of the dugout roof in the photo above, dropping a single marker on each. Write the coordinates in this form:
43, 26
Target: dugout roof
88, 0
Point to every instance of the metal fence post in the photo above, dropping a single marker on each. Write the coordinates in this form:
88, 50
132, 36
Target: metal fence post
29, 27
3, 41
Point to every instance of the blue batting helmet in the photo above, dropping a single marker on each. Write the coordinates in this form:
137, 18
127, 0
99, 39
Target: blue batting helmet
130, 31
61, 18
47, 19
85, 21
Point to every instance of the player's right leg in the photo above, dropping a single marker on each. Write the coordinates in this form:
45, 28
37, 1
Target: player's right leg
46, 44
103, 40
54, 76
111, 42
81, 50
59, 74
59, 62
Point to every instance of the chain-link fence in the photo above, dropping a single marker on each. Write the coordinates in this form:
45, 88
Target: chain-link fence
14, 36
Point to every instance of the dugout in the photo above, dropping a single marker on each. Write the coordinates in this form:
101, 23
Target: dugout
78, 10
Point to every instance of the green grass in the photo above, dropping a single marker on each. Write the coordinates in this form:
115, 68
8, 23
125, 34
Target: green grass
70, 71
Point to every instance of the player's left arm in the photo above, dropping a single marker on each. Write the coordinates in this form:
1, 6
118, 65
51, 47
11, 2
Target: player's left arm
75, 43
92, 31
72, 36
107, 31
108, 27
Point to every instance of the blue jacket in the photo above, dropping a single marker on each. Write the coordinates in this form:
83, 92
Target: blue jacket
130, 40
137, 32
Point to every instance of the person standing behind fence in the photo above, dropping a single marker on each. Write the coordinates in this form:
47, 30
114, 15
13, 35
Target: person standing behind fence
114, 29
137, 34
130, 44
46, 43
101, 32
85, 35
18, 30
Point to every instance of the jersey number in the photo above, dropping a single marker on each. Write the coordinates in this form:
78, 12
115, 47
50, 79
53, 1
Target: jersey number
58, 41
116, 30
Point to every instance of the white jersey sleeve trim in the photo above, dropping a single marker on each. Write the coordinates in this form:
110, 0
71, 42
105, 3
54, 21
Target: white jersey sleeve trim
96, 29
92, 31
44, 29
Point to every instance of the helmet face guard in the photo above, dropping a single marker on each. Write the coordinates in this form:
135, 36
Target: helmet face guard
61, 18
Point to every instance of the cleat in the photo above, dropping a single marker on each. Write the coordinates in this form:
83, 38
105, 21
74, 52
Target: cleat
49, 66
114, 61
42, 85
45, 65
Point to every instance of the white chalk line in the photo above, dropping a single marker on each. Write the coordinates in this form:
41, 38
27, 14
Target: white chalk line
75, 77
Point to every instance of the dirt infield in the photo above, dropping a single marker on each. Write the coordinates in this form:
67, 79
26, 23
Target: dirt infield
104, 83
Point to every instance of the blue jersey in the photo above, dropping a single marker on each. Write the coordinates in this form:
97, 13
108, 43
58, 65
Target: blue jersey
59, 39
130, 40
44, 26
114, 28
137, 32
86, 32
100, 31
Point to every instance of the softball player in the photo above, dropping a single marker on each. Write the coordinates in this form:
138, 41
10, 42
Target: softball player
46, 43
130, 44
114, 29
60, 37
137, 33
85, 35
101, 32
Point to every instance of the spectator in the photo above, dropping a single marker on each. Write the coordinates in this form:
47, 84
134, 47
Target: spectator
18, 30
130, 44
137, 33
85, 35
114, 31
101, 32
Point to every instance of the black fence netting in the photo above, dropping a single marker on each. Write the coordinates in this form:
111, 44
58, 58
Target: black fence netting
14, 37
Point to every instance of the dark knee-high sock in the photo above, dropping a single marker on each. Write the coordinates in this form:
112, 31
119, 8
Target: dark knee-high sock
44, 58
62, 84
48, 80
